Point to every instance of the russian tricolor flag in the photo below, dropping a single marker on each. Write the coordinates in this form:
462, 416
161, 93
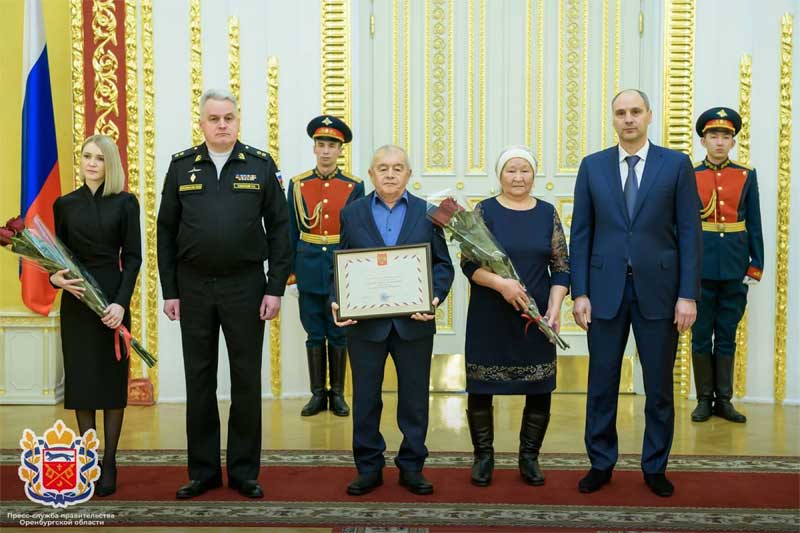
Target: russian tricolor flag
40, 178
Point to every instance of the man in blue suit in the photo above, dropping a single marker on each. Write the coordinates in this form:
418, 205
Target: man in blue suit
392, 216
636, 258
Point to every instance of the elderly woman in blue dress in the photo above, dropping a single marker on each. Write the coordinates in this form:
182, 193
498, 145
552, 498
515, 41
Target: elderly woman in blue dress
501, 357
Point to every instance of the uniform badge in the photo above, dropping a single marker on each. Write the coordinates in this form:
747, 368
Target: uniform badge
198, 158
60, 468
241, 156
722, 113
190, 187
327, 121
245, 177
247, 186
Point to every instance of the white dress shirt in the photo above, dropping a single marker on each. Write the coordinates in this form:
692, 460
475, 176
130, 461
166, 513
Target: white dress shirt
638, 169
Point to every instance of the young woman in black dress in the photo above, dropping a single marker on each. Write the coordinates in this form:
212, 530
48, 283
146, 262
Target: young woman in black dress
501, 357
99, 223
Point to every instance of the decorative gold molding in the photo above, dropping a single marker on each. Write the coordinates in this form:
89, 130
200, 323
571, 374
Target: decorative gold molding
105, 64
78, 98
617, 63
233, 60
678, 130
540, 86
604, 74
573, 31
745, 84
150, 188
407, 75
439, 83
273, 147
336, 65
195, 68
444, 315
478, 166
132, 117
784, 191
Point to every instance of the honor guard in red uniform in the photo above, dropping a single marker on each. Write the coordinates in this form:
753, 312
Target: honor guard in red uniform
315, 199
733, 259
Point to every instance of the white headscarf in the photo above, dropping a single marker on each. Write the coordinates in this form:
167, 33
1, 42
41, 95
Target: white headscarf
510, 152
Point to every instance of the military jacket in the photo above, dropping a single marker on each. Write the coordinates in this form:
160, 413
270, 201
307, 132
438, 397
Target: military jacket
217, 226
314, 205
733, 245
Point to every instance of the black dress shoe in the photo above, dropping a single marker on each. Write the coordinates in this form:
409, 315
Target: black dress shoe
364, 483
249, 488
659, 484
416, 482
594, 480
107, 484
195, 488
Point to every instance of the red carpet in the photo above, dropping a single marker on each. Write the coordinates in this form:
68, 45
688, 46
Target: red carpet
308, 489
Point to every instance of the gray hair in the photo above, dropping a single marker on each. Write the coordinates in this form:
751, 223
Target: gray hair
640, 93
389, 148
218, 94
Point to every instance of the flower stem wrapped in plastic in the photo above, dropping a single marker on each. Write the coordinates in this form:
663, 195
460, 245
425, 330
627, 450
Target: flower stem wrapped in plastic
479, 246
38, 245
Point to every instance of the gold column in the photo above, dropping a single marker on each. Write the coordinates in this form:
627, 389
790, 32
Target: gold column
273, 147
784, 189
104, 64
397, 85
132, 115
233, 59
678, 101
604, 75
149, 125
539, 79
478, 165
573, 70
78, 100
745, 84
336, 65
195, 68
617, 61
439, 86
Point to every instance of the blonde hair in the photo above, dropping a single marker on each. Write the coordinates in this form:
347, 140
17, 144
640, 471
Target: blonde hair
114, 175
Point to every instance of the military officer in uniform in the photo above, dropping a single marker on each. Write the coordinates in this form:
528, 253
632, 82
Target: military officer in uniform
733, 259
217, 201
315, 199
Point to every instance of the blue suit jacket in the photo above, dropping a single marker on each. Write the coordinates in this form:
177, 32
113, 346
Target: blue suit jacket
358, 230
663, 240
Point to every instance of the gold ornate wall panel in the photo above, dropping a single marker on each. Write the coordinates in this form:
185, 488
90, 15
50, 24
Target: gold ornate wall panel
336, 65
538, 143
743, 142
439, 87
401, 86
573, 77
150, 207
476, 89
273, 147
195, 68
784, 190
234, 75
617, 63
678, 126
78, 97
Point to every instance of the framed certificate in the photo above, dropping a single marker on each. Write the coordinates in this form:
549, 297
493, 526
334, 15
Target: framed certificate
383, 282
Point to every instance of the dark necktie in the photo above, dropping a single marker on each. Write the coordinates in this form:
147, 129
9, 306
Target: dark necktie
631, 187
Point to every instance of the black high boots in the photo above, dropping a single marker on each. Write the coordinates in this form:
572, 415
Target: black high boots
723, 389
316, 373
531, 435
481, 429
704, 384
337, 358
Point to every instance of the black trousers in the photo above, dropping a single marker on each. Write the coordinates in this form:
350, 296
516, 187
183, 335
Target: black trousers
412, 359
231, 302
718, 314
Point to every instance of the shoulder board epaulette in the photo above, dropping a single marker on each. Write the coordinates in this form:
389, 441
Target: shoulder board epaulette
351, 177
739, 164
185, 153
256, 152
304, 175
697, 164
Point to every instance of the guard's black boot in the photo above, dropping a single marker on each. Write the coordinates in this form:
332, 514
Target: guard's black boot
316, 373
531, 435
723, 389
704, 384
337, 358
481, 429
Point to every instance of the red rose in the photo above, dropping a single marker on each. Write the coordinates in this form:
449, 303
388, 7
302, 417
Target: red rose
444, 213
5, 236
17, 225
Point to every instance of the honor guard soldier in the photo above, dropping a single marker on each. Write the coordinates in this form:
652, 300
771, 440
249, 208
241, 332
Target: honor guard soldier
733, 259
315, 199
217, 201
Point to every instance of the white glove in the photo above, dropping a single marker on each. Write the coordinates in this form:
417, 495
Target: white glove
749, 281
292, 290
